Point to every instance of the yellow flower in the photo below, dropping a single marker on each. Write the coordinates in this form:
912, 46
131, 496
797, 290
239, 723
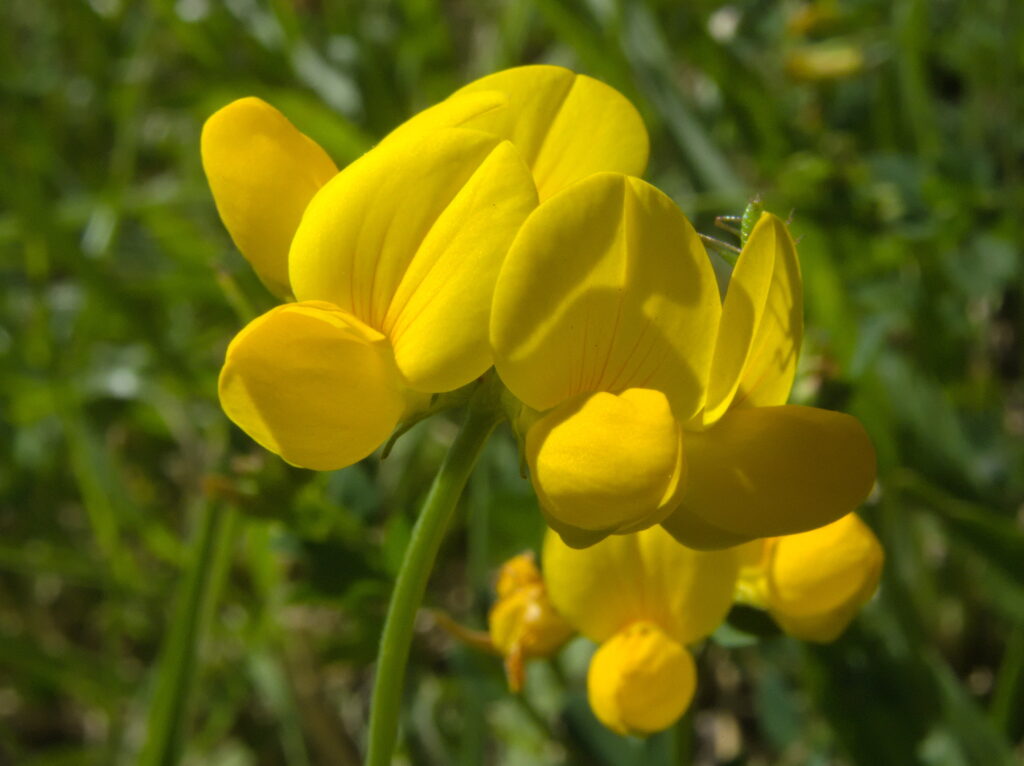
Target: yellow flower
393, 265
643, 597
830, 60
263, 172
813, 583
523, 623
759, 467
604, 319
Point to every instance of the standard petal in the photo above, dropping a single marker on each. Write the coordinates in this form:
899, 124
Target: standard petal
454, 112
262, 172
643, 576
762, 324
606, 287
566, 125
640, 681
312, 384
768, 471
409, 239
607, 463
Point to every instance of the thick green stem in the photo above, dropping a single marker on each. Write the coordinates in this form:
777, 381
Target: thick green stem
415, 571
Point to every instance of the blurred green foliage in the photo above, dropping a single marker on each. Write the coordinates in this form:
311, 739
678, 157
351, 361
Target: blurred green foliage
121, 289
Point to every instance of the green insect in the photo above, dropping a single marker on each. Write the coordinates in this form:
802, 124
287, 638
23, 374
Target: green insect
729, 223
750, 217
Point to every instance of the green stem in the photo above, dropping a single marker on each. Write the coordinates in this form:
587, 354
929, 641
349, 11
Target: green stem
412, 577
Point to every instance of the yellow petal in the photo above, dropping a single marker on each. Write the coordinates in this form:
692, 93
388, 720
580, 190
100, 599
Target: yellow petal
312, 384
751, 586
819, 628
409, 239
262, 172
640, 681
455, 111
566, 125
762, 324
767, 471
606, 287
518, 572
818, 580
753, 554
646, 576
608, 463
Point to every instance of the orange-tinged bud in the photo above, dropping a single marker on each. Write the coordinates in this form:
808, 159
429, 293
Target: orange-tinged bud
523, 623
516, 573
640, 680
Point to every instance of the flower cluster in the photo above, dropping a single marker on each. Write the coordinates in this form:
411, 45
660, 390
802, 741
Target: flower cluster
508, 227
646, 600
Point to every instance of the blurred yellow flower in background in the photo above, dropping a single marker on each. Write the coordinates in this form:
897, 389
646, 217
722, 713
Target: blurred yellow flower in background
523, 623
643, 597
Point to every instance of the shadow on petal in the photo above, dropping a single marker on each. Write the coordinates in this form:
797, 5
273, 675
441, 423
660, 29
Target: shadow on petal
768, 471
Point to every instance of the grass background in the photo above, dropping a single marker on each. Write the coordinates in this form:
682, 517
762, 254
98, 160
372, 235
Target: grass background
120, 291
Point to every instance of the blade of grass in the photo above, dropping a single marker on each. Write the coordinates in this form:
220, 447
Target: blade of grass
177, 668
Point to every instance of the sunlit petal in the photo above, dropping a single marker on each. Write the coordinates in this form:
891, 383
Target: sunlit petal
263, 172
762, 324
607, 287
454, 112
409, 239
312, 384
566, 125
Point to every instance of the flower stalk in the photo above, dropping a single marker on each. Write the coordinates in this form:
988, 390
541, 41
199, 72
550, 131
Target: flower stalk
482, 416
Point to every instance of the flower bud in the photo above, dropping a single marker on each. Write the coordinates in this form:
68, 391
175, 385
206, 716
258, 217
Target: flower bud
523, 623
607, 463
640, 680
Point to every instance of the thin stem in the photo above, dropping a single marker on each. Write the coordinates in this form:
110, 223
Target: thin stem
419, 558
